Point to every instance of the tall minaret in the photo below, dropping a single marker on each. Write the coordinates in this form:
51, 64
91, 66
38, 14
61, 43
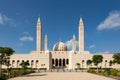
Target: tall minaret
46, 43
74, 43
39, 36
81, 35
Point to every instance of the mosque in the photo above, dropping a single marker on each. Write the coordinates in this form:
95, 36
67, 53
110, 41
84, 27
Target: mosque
60, 57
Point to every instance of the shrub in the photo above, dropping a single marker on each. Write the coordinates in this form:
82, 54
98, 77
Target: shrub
14, 73
91, 71
114, 72
107, 72
3, 77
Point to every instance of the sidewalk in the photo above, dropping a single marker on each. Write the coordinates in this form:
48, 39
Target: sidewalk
62, 76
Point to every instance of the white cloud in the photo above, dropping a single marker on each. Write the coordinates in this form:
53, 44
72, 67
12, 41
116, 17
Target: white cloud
26, 38
92, 46
6, 20
112, 21
69, 44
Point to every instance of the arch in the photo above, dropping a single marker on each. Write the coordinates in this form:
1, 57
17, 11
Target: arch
56, 62
83, 61
13, 61
53, 61
60, 62
37, 61
32, 63
23, 61
63, 62
67, 61
28, 61
105, 60
18, 61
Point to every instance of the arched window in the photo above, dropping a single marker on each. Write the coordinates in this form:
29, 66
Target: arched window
37, 61
28, 61
52, 61
105, 60
63, 62
13, 61
67, 61
59, 62
23, 61
18, 61
32, 61
56, 62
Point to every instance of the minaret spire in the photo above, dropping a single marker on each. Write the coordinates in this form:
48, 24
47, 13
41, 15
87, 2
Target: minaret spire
81, 35
38, 20
46, 43
39, 36
74, 43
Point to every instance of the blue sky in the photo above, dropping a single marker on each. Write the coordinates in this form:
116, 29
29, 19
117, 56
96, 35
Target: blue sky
60, 20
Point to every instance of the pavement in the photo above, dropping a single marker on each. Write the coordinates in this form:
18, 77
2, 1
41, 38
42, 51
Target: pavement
61, 76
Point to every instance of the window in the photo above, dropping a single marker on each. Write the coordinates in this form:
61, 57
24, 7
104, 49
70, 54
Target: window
67, 61
63, 62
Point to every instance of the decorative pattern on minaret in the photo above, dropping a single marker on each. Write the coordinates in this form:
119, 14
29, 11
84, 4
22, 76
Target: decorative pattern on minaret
39, 36
81, 35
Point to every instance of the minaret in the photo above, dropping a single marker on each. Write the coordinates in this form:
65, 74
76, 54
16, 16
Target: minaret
46, 43
39, 36
74, 43
81, 35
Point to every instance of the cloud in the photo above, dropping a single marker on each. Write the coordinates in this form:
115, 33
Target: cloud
69, 44
112, 21
92, 46
6, 20
26, 38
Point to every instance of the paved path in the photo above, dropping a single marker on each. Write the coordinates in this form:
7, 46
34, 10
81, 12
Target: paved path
61, 76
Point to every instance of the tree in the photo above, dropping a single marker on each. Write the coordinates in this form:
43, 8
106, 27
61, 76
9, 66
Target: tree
116, 58
89, 62
24, 65
5, 53
97, 59
110, 63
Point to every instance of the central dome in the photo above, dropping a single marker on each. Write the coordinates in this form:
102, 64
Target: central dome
60, 46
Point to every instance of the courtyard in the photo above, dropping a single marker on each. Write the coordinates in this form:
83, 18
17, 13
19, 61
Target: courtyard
61, 76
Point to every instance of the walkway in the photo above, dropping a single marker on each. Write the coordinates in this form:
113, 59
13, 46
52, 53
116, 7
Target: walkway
61, 76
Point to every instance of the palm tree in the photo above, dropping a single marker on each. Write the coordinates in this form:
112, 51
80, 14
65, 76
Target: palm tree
5, 52
116, 58
24, 65
97, 59
89, 62
110, 63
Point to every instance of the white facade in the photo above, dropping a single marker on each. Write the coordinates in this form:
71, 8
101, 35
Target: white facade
59, 57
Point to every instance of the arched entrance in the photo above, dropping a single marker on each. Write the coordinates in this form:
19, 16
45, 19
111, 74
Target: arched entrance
60, 63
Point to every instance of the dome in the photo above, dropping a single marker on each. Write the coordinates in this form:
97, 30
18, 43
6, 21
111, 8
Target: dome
60, 46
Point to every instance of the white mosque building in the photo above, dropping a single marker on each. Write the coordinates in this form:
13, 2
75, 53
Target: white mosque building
59, 57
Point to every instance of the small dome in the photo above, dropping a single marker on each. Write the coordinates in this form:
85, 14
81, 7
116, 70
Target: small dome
60, 46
